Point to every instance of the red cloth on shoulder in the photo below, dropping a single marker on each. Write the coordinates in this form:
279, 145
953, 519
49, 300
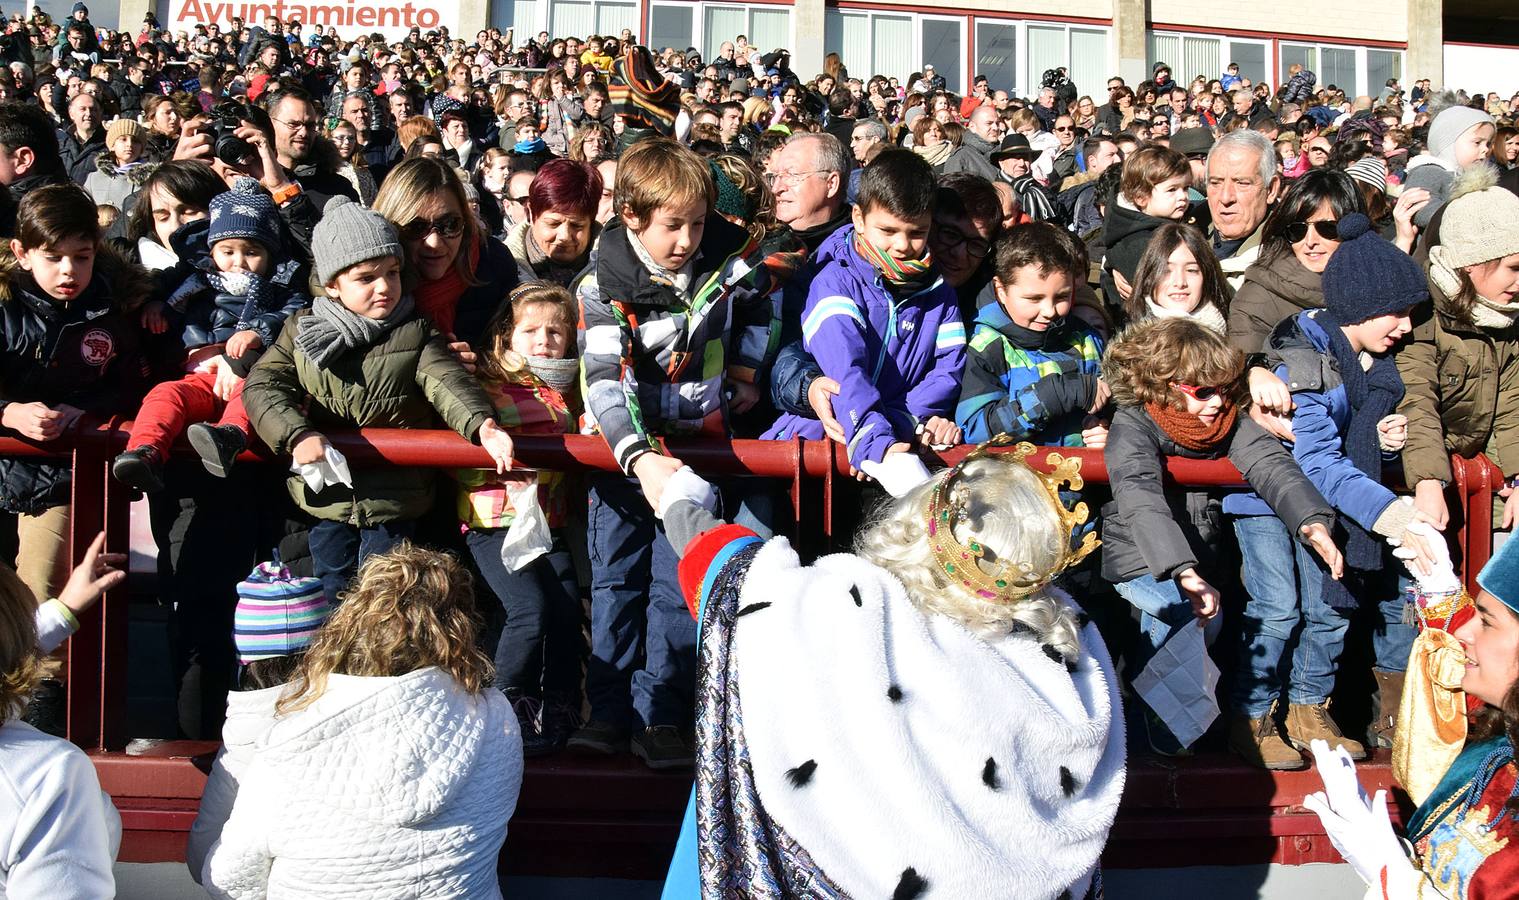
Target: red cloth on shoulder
698, 558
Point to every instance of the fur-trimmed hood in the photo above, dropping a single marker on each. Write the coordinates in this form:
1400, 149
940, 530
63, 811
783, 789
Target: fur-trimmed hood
137, 173
130, 284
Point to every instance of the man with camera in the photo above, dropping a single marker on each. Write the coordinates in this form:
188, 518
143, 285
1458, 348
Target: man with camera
282, 149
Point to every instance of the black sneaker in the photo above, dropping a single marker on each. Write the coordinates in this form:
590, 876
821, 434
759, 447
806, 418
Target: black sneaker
561, 717
662, 747
599, 737
45, 709
529, 712
141, 468
218, 446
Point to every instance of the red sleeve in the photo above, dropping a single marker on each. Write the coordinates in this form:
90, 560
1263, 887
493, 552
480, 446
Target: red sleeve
698, 559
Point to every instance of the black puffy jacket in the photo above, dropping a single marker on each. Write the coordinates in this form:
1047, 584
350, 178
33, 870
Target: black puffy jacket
86, 354
204, 316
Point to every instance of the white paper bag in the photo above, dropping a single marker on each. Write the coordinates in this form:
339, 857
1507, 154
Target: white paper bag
329, 470
1180, 684
528, 537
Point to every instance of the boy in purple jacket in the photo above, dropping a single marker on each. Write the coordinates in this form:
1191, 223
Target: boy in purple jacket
881, 321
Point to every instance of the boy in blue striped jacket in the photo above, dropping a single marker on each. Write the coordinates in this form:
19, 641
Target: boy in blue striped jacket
1032, 369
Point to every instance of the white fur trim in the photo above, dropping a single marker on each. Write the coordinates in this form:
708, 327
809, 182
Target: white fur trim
900, 784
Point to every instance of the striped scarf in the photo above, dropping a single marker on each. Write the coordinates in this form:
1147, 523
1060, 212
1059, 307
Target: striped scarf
899, 273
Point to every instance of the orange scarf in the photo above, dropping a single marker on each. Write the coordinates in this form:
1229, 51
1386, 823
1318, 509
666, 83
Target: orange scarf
1188, 431
438, 300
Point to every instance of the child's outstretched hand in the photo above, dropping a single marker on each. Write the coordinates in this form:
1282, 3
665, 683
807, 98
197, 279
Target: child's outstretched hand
939, 433
497, 443
311, 448
741, 396
1392, 433
153, 317
462, 352
243, 342
1316, 536
36, 421
1202, 595
97, 573
1269, 392
1094, 433
1429, 499
820, 396
653, 471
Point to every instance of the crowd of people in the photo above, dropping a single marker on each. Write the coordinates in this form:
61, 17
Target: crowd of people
251, 238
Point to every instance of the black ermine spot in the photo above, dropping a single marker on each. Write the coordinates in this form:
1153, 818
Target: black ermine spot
894, 694
910, 886
989, 774
802, 774
753, 607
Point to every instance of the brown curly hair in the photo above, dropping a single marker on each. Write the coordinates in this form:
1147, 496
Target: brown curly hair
20, 668
1147, 358
407, 609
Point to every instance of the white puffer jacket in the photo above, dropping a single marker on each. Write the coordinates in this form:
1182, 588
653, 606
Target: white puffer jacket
382, 788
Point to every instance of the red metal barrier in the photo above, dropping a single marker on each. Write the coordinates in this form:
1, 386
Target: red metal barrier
158, 792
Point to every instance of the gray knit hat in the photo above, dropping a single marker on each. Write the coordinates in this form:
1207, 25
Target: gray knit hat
1480, 221
1448, 127
349, 234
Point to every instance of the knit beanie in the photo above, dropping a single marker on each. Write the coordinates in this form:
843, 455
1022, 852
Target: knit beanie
246, 211
124, 127
1448, 127
1368, 276
349, 234
1370, 170
640, 94
277, 614
1480, 221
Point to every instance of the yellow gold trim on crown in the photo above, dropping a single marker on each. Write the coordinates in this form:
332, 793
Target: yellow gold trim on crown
966, 565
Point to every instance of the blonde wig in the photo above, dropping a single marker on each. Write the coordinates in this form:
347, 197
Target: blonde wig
1010, 513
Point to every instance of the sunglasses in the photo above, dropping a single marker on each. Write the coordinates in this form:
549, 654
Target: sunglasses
449, 226
1200, 394
1297, 231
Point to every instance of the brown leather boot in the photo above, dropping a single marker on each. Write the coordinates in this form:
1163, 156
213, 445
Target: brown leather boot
1307, 722
1260, 743
1389, 698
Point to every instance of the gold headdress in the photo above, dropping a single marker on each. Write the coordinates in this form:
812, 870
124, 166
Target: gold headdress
1003, 581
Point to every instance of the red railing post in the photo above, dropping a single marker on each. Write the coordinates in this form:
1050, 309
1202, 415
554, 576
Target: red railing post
1482, 480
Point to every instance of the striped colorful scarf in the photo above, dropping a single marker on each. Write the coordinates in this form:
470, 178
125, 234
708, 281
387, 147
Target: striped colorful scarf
899, 273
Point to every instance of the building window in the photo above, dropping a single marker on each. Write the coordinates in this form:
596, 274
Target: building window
670, 26
572, 18
1382, 65
767, 27
943, 47
1354, 70
1338, 67
996, 54
1193, 55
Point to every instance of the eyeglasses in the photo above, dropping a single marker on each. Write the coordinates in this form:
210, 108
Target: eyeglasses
1200, 394
1065, 128
790, 179
450, 226
949, 237
299, 125
1297, 231
1318, 150
522, 199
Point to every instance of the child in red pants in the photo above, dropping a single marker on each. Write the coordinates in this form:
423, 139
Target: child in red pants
230, 300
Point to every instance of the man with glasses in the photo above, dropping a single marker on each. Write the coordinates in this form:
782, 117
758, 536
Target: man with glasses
374, 142
967, 218
808, 175
1064, 164
867, 133
518, 104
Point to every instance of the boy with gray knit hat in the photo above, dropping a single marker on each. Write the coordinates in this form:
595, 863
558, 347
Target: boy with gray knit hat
1459, 138
365, 359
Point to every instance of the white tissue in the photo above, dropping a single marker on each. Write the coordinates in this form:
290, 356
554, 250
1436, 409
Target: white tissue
331, 469
528, 536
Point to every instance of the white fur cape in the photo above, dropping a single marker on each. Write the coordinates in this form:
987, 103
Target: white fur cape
882, 740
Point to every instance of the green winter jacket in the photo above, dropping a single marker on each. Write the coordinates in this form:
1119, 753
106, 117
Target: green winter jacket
406, 381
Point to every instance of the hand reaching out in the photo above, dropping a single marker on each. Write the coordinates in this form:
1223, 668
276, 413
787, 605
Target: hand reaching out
498, 443
97, 573
1202, 595
1318, 540
243, 342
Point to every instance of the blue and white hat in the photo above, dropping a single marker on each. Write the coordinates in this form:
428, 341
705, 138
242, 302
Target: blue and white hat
246, 211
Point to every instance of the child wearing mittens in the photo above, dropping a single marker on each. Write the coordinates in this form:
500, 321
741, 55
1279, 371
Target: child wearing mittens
361, 357
1345, 389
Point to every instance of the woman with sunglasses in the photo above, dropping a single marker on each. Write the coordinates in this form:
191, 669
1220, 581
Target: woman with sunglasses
1177, 386
462, 275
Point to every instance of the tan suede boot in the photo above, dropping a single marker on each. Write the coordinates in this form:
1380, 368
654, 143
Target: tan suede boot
1260, 743
1306, 723
1389, 698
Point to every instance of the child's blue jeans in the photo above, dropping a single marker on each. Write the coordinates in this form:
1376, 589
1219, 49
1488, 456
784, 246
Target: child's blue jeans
1162, 610
337, 550
541, 643
642, 670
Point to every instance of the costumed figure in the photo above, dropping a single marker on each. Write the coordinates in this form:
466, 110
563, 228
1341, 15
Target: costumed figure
1461, 841
927, 717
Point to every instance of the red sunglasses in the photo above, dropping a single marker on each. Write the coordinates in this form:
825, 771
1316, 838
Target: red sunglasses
1200, 394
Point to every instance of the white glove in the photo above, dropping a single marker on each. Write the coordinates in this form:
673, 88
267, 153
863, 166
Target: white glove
898, 473
685, 484
331, 469
1442, 575
1359, 828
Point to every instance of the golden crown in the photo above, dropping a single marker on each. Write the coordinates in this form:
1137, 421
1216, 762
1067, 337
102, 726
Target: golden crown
967, 564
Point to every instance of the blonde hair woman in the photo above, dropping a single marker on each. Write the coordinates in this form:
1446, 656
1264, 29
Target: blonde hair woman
393, 765
461, 273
